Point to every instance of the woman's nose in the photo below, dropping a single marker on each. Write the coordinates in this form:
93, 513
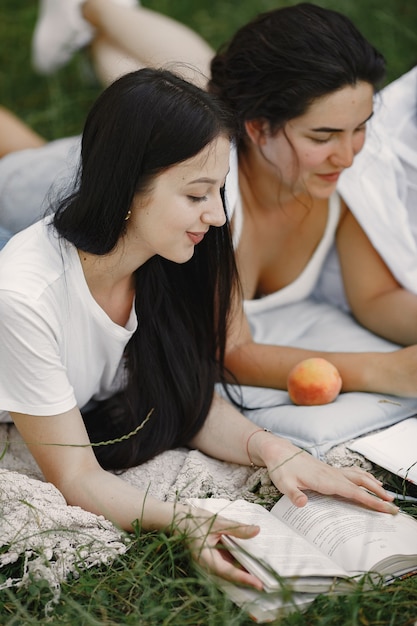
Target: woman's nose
344, 153
215, 215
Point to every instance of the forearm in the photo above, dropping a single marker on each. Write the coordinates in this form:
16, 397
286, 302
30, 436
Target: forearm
229, 436
224, 433
103, 493
262, 365
60, 445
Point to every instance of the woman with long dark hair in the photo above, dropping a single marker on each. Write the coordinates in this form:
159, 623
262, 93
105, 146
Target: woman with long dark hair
114, 312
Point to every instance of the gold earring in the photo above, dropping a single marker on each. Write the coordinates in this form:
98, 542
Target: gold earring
128, 214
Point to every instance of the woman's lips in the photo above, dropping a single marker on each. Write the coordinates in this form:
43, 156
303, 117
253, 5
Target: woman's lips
330, 178
196, 237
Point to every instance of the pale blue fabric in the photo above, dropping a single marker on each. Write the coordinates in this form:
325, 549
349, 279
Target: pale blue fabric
29, 177
4, 237
320, 326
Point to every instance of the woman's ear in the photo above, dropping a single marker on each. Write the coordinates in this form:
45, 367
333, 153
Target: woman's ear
257, 131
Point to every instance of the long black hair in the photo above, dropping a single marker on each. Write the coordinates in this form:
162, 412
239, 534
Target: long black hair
142, 124
276, 65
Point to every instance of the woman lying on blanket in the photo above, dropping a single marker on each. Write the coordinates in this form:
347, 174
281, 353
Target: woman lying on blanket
302, 103
121, 298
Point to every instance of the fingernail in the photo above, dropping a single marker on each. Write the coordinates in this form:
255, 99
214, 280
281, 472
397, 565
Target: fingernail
392, 508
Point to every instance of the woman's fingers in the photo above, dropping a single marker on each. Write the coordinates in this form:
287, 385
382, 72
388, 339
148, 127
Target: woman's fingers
297, 497
218, 560
362, 478
368, 490
204, 538
352, 483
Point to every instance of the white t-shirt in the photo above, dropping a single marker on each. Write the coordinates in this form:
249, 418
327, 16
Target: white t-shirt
59, 349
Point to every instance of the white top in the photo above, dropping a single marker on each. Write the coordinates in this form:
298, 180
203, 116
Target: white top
381, 186
59, 349
304, 284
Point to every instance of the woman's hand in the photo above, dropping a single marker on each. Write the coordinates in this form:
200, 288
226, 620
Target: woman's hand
293, 470
203, 531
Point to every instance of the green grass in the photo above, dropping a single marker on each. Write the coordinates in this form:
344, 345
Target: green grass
56, 106
155, 584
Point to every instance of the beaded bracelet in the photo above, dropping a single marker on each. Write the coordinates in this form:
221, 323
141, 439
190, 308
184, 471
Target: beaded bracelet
263, 430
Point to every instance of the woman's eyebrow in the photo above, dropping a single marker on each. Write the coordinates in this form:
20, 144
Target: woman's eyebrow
327, 129
210, 181
203, 179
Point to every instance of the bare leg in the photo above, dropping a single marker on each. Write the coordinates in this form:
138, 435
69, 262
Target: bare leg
16, 135
129, 38
109, 61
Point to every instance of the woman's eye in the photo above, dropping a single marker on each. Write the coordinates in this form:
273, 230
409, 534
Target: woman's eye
197, 198
320, 139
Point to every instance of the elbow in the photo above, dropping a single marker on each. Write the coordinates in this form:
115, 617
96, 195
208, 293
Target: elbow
233, 365
76, 487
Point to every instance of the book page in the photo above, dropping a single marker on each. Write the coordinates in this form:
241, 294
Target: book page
352, 536
264, 607
393, 448
276, 544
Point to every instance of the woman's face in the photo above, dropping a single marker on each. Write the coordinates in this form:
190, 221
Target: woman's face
183, 203
312, 150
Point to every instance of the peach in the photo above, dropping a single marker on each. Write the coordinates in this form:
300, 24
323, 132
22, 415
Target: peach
313, 381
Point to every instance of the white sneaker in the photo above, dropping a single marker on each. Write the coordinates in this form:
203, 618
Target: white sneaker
60, 31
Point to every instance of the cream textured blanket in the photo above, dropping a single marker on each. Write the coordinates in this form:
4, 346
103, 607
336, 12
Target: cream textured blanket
53, 540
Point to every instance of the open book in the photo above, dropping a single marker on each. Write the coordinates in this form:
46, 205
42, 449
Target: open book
393, 448
321, 548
